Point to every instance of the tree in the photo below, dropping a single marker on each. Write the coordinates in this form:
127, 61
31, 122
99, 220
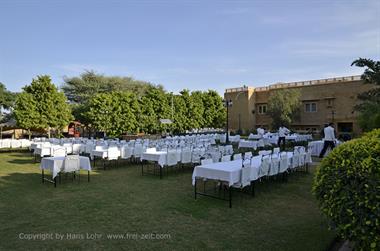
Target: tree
283, 106
114, 113
160, 102
42, 106
180, 114
82, 88
214, 112
197, 110
26, 113
6, 99
369, 108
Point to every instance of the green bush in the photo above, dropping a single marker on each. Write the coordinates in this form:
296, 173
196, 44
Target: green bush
347, 185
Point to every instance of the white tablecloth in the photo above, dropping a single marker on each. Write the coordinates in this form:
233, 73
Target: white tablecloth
248, 144
224, 171
99, 153
43, 151
56, 164
159, 157
254, 136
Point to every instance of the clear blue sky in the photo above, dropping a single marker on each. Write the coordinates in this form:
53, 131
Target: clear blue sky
194, 44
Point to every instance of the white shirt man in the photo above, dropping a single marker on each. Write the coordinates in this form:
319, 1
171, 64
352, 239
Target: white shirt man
329, 133
329, 139
282, 131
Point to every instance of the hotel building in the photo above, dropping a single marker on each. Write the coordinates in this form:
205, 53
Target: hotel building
323, 101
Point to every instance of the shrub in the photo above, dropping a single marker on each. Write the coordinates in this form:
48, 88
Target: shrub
347, 185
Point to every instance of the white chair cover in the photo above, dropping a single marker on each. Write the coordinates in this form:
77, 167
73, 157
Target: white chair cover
171, 158
186, 156
206, 161
265, 165
226, 158
247, 155
72, 163
275, 165
237, 156
59, 152
284, 162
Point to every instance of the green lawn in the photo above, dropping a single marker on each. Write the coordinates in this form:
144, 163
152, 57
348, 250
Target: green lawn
282, 216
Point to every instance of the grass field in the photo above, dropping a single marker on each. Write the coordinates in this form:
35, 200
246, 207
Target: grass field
282, 216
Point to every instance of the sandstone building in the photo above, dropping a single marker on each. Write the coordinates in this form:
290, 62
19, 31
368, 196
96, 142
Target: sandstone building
323, 101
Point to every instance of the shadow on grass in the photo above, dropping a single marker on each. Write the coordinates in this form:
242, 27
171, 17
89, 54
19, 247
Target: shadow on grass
22, 161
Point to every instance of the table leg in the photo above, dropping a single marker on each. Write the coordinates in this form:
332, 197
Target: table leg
160, 172
43, 176
253, 188
55, 181
195, 189
230, 191
142, 168
88, 176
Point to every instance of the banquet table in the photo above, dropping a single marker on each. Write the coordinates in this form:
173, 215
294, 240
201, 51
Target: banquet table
248, 144
56, 165
229, 172
158, 157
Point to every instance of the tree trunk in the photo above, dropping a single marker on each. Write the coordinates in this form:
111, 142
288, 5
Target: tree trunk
30, 134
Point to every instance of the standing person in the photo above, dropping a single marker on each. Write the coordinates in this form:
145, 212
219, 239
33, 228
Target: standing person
282, 132
329, 139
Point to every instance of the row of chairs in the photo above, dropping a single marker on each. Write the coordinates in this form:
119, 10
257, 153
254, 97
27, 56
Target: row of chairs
272, 163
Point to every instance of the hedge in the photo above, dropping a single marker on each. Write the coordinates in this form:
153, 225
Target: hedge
347, 185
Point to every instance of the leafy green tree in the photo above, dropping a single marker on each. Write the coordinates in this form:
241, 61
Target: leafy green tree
6, 97
283, 106
82, 88
26, 113
114, 113
154, 103
161, 103
180, 114
197, 110
369, 107
42, 106
214, 111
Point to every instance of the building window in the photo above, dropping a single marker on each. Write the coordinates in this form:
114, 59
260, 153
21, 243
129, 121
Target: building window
330, 103
262, 109
311, 107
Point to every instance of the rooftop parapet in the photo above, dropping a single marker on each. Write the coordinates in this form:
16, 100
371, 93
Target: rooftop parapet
298, 84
